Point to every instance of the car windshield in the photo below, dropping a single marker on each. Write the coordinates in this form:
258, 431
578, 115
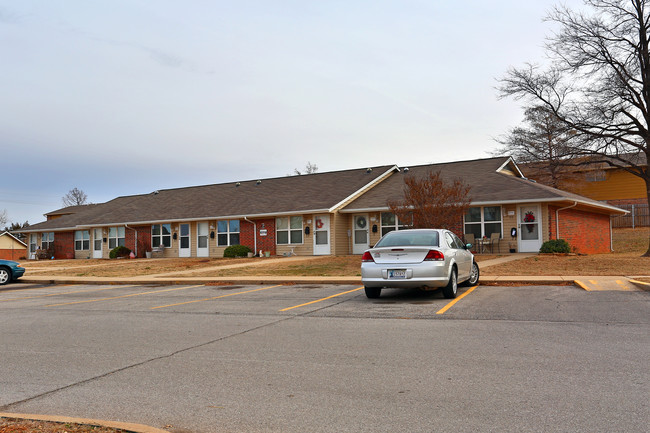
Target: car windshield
419, 239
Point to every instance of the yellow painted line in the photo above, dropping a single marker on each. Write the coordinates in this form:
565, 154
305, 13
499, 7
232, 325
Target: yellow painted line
640, 282
594, 282
215, 297
582, 285
452, 303
124, 296
622, 285
65, 293
322, 299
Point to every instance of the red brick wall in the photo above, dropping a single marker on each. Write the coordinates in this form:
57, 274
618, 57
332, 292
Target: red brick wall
64, 245
264, 243
144, 239
586, 232
17, 254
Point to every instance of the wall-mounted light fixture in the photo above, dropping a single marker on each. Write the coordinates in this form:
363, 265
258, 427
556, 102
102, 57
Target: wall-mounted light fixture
374, 228
307, 230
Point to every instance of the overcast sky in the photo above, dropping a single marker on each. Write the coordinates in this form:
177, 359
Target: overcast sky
122, 97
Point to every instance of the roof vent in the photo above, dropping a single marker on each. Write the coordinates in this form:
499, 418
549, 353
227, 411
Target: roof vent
406, 169
238, 184
156, 192
258, 182
368, 170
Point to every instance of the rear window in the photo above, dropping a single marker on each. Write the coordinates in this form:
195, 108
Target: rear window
402, 239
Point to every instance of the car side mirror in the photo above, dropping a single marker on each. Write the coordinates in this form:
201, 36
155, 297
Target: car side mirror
468, 246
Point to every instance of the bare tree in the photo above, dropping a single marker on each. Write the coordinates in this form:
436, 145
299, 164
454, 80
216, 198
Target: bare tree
542, 143
75, 197
3, 217
597, 83
430, 202
309, 169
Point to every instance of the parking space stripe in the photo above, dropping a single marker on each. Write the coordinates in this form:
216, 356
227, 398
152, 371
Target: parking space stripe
444, 309
65, 293
124, 296
323, 299
215, 297
582, 285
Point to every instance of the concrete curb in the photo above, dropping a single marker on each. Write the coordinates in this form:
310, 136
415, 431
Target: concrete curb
257, 280
136, 428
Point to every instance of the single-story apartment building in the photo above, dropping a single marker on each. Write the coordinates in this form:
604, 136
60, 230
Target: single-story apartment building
12, 248
332, 213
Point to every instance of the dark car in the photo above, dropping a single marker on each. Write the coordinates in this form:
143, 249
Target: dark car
10, 271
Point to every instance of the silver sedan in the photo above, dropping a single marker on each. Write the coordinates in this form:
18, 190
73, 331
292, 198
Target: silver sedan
426, 258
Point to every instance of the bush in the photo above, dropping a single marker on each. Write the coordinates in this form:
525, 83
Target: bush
555, 246
236, 251
119, 252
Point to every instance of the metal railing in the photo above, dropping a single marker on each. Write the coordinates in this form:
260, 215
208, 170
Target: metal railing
639, 216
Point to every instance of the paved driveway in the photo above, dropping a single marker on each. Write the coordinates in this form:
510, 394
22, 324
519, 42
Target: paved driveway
323, 358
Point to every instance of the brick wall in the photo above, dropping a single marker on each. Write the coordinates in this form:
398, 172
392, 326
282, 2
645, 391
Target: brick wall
586, 232
264, 243
64, 245
144, 239
16, 254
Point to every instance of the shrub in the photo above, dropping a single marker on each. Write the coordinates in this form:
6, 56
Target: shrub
236, 251
555, 246
119, 252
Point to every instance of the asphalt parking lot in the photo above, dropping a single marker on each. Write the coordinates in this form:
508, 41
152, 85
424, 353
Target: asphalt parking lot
324, 358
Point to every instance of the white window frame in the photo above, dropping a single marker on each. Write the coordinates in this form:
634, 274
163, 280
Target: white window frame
82, 240
289, 230
33, 243
47, 240
229, 233
161, 238
116, 237
390, 227
483, 221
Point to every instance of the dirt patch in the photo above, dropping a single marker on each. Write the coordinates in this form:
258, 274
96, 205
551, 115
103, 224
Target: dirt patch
13, 425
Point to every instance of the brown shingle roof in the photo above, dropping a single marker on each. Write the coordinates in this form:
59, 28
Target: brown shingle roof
290, 194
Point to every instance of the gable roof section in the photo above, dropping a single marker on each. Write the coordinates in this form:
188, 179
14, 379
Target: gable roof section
14, 238
492, 181
318, 192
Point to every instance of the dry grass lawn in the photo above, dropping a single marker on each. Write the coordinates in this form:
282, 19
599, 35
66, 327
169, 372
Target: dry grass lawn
13, 425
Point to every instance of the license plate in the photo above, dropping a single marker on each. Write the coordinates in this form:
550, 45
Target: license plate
397, 273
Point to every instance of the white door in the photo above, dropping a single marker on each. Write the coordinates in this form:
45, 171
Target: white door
530, 234
202, 240
98, 244
321, 235
184, 249
360, 234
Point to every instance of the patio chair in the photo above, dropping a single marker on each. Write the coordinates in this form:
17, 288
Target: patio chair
495, 238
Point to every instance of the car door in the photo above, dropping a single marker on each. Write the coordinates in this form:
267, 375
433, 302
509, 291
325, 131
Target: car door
462, 256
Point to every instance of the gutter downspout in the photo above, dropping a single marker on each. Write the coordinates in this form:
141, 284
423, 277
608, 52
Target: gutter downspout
254, 234
126, 226
557, 218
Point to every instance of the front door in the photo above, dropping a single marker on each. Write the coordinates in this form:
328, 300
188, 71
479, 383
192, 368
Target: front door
184, 241
530, 234
97, 244
321, 235
202, 247
360, 235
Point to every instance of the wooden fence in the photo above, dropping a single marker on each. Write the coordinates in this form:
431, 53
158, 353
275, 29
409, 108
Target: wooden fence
639, 216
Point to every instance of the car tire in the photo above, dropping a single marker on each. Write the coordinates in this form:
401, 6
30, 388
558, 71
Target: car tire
372, 292
473, 275
451, 289
5, 276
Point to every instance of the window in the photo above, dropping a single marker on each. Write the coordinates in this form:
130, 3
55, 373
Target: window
116, 237
227, 233
82, 240
47, 241
161, 234
33, 238
483, 221
390, 222
596, 176
288, 230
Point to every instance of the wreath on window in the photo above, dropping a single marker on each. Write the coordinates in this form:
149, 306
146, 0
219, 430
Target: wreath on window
529, 217
361, 222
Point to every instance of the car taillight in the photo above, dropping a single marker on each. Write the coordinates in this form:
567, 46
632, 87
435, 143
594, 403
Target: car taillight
367, 257
434, 255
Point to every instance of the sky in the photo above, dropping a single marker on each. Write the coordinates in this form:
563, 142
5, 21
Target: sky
122, 97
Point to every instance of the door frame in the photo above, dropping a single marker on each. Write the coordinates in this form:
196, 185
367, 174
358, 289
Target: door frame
361, 247
98, 254
533, 245
185, 252
322, 249
203, 252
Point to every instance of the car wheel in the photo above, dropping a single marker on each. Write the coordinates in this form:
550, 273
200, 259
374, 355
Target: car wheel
473, 276
372, 292
451, 289
5, 276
